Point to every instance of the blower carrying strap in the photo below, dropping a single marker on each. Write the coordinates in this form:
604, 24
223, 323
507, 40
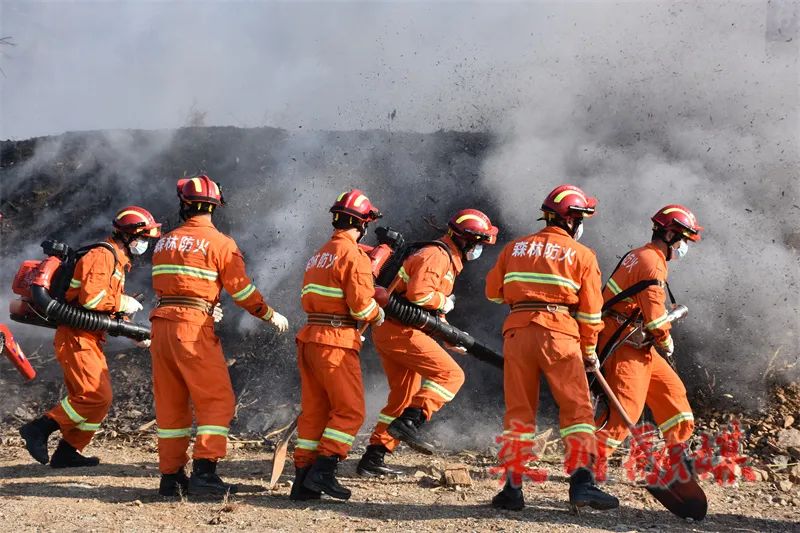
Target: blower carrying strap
69, 259
634, 289
392, 267
83, 250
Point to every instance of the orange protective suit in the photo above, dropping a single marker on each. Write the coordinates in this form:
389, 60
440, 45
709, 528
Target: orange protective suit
337, 290
549, 267
407, 354
191, 265
641, 376
97, 284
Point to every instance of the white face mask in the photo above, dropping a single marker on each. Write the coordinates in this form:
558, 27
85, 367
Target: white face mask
474, 252
578, 232
138, 246
681, 251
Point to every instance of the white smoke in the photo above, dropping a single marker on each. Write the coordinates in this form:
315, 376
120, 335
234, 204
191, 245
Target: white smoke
681, 104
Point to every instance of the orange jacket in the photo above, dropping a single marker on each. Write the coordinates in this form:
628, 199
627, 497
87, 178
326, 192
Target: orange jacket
338, 281
197, 260
99, 281
550, 266
427, 275
646, 262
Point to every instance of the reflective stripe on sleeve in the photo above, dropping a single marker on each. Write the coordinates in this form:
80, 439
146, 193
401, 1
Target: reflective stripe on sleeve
74, 283
589, 318
268, 315
403, 274
614, 288
544, 279
88, 426
244, 293
366, 311
183, 270
425, 299
322, 290
497, 300
658, 322
91, 304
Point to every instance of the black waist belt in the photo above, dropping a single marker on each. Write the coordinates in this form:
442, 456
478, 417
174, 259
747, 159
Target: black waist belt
540, 306
620, 318
186, 301
336, 321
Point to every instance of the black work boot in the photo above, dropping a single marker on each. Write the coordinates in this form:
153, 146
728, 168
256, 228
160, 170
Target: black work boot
372, 464
35, 434
204, 480
583, 491
66, 456
510, 498
406, 429
176, 484
299, 492
322, 478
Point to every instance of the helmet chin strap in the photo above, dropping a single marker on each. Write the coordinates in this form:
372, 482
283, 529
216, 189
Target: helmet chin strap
362, 231
670, 243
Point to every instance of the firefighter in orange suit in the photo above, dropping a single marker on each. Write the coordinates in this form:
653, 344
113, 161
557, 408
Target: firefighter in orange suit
422, 375
97, 284
552, 284
337, 293
642, 375
191, 265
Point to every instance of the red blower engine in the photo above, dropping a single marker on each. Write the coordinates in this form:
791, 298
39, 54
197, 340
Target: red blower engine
14, 353
42, 286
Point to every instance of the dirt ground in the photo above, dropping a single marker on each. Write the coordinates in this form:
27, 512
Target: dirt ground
120, 495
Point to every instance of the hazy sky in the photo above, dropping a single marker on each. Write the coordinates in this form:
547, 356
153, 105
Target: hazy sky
141, 64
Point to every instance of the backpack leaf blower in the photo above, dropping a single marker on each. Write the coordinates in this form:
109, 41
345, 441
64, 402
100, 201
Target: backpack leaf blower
42, 286
407, 313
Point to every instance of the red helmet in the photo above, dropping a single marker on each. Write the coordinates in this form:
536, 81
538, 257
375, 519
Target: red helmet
473, 225
200, 189
568, 201
135, 220
678, 219
356, 204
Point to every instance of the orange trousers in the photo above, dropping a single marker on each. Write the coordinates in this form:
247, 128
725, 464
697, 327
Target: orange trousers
88, 385
189, 370
331, 399
640, 377
408, 355
530, 352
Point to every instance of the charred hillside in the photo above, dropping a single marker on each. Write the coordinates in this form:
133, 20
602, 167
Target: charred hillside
278, 185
